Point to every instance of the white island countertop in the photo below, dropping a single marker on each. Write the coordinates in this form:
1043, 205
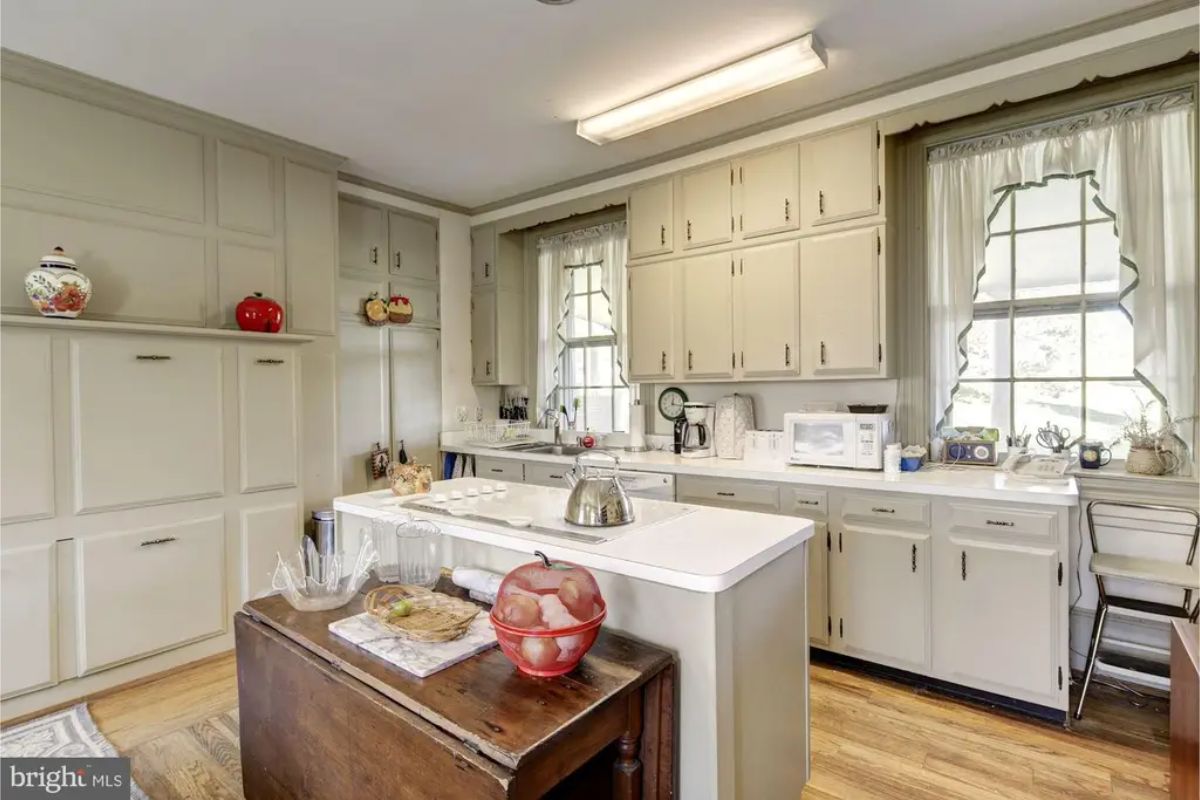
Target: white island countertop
980, 483
699, 548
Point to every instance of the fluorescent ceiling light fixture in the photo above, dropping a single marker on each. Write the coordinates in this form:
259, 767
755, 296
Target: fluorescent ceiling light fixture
781, 64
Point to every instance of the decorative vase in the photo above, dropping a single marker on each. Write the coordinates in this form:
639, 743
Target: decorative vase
57, 288
1150, 461
259, 314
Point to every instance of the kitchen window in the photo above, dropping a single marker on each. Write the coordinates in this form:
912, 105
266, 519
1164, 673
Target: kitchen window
1049, 342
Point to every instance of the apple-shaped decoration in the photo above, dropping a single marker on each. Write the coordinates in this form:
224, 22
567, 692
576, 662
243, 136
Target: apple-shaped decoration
400, 309
260, 314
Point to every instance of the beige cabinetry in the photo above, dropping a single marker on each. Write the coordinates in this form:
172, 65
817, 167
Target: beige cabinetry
768, 190
500, 469
243, 270
26, 426
840, 308
542, 474
415, 400
413, 246
146, 420
767, 310
484, 342
839, 175
483, 255
652, 303
28, 617
362, 237
708, 316
245, 189
651, 214
268, 390
706, 201
263, 532
496, 337
142, 591
310, 243
813, 504
743, 495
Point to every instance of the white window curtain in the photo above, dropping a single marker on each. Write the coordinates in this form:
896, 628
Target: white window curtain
605, 245
1139, 157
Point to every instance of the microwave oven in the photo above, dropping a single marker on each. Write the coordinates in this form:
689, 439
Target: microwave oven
836, 439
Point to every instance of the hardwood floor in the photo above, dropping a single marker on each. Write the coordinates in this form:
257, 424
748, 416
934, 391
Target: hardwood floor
871, 738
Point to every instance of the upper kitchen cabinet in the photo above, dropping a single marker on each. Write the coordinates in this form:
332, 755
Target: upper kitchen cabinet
706, 200
362, 237
768, 185
651, 307
651, 213
245, 190
708, 316
483, 255
839, 175
496, 258
768, 310
840, 309
497, 354
413, 246
310, 247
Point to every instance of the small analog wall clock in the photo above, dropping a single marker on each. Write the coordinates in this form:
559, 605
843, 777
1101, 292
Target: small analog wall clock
670, 403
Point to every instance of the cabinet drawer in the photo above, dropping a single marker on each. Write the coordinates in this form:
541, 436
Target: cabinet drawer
500, 469
731, 494
146, 414
803, 502
28, 617
886, 508
267, 417
542, 474
148, 590
1002, 520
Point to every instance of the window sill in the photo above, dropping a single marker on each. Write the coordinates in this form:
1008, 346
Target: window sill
1115, 471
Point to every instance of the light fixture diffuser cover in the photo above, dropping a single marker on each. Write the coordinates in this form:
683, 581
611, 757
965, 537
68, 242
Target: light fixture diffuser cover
771, 67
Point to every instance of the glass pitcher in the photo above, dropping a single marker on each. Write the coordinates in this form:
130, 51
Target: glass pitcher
409, 550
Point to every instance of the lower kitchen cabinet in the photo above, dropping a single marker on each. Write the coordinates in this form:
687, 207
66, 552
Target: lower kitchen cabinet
268, 391
819, 623
996, 608
500, 469
265, 531
28, 616
881, 595
541, 474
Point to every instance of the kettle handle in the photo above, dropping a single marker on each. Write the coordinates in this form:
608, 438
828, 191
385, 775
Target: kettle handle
616, 462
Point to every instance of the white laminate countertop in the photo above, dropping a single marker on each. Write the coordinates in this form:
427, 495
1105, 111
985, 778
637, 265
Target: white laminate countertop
980, 483
704, 550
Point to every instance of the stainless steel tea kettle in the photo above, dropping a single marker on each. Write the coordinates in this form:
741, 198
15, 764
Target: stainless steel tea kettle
598, 500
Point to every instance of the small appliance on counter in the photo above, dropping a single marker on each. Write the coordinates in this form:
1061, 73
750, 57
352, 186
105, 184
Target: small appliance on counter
764, 447
734, 417
975, 446
696, 439
836, 439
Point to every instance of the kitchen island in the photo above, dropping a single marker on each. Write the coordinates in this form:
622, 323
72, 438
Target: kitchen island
723, 590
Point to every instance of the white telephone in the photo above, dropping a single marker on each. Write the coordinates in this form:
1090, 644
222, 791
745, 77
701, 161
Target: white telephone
1022, 464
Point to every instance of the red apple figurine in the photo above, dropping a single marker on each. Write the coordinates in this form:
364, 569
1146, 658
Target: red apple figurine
260, 314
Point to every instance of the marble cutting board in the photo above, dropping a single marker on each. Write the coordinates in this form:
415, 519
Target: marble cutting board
420, 658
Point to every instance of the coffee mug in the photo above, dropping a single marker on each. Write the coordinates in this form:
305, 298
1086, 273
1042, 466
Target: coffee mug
1094, 455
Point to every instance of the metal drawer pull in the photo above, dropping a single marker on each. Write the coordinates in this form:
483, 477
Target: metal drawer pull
152, 542
153, 358
809, 502
726, 494
374, 255
914, 558
495, 469
882, 510
556, 477
964, 565
1001, 523
269, 361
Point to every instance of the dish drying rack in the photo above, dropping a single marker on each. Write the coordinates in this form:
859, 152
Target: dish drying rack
499, 433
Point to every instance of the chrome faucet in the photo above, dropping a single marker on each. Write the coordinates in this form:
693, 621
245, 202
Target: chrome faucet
557, 414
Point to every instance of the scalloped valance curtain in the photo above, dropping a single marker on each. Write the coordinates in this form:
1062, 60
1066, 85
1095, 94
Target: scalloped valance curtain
1139, 157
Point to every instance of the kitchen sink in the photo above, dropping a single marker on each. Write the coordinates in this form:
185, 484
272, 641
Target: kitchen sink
556, 449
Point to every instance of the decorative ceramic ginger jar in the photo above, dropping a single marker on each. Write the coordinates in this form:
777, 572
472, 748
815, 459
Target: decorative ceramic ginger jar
57, 288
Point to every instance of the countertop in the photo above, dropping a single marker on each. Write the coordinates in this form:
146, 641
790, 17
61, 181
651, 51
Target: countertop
704, 550
981, 483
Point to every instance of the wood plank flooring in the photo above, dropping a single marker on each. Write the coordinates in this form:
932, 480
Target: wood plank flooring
871, 739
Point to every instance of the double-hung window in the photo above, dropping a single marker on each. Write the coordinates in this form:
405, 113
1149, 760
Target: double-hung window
591, 387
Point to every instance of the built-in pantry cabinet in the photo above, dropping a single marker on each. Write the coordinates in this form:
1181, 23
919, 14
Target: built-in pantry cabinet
26, 427
28, 617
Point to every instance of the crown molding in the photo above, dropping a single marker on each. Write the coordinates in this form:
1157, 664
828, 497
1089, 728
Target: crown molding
414, 197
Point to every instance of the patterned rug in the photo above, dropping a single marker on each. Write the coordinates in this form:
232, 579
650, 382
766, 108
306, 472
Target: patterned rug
70, 733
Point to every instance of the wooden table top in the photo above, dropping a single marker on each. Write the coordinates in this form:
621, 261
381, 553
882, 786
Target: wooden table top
484, 701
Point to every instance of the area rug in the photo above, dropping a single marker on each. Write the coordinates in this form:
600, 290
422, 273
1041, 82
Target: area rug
70, 733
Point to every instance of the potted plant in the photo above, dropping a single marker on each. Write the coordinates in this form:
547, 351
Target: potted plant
1152, 444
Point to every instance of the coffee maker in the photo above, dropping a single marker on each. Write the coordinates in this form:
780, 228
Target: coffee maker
696, 435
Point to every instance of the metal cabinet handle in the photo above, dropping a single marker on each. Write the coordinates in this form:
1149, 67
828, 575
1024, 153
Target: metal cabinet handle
689, 359
487, 368
269, 361
487, 269
397, 259
839, 541
787, 355
664, 361
495, 469
914, 558
1002, 523
821, 203
556, 477
964, 565
152, 358
662, 235
822, 354
787, 210
882, 510
152, 542
808, 502
726, 494
374, 255
689, 230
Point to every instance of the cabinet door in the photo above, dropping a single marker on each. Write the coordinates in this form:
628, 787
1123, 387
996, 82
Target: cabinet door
768, 310
483, 255
245, 189
652, 303
769, 186
839, 175
28, 635
144, 591
543, 474
651, 212
26, 426
310, 248
483, 337
413, 243
146, 420
881, 595
500, 469
416, 394
362, 237
997, 613
818, 585
363, 416
707, 206
839, 303
267, 398
708, 316
265, 531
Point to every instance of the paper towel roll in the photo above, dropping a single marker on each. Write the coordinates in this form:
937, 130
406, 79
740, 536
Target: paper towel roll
637, 426
482, 582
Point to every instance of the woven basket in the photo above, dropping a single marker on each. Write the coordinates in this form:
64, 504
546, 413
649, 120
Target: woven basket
1149, 461
435, 617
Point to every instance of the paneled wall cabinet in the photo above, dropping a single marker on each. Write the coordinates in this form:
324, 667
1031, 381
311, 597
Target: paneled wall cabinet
497, 305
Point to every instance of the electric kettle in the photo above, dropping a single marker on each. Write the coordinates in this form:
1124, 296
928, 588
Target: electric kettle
598, 500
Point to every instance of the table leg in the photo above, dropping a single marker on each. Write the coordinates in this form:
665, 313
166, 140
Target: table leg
627, 771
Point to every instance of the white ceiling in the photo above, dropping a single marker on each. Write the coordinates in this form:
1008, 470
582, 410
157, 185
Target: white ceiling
472, 101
